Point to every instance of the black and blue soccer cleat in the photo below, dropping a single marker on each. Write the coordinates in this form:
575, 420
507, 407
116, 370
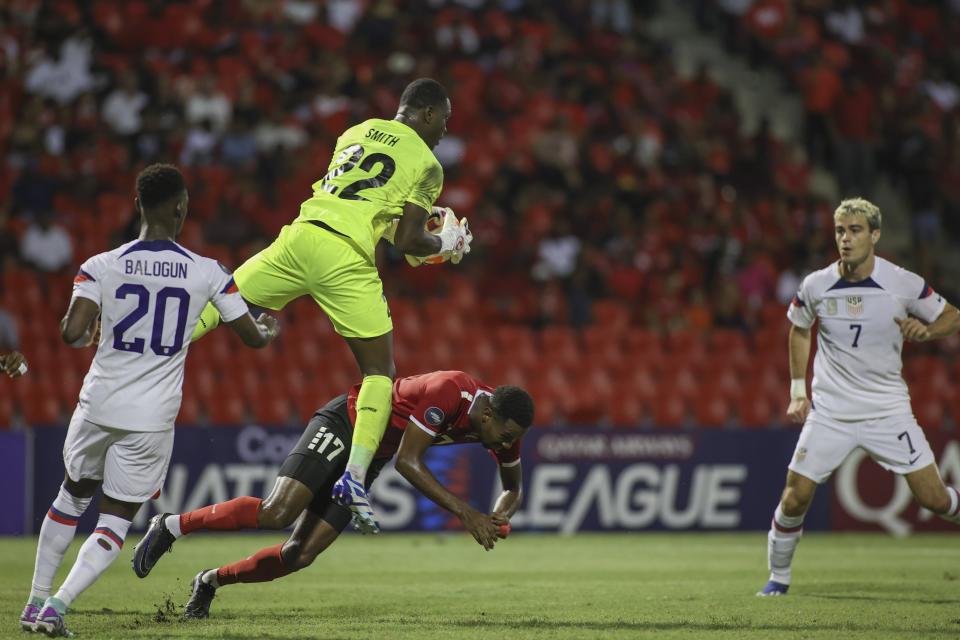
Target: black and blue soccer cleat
155, 542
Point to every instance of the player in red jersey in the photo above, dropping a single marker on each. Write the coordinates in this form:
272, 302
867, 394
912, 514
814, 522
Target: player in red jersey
443, 407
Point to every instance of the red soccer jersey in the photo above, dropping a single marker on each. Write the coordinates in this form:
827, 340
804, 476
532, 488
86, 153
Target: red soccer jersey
438, 403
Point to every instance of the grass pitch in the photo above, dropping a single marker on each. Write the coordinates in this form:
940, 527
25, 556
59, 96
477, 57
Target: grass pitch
532, 586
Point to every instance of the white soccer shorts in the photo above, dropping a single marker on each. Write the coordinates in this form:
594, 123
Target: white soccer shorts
132, 464
896, 443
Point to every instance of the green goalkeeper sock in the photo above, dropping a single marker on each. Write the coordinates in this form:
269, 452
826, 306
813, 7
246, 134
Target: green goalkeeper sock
373, 413
209, 320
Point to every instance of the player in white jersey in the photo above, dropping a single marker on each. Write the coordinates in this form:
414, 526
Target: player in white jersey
866, 307
143, 300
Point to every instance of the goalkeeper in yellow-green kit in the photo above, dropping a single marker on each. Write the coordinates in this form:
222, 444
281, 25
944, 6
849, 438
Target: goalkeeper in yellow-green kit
382, 182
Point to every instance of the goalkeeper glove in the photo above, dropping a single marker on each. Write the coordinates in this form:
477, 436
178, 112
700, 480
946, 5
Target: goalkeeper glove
455, 238
467, 239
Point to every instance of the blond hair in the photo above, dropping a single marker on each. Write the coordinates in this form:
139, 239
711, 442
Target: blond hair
860, 207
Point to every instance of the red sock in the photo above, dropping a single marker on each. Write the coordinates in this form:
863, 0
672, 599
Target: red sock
263, 566
239, 513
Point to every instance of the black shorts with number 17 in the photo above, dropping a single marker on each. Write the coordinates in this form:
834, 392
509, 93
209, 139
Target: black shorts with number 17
320, 458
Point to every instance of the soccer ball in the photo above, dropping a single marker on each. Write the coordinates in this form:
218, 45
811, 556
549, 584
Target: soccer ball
433, 225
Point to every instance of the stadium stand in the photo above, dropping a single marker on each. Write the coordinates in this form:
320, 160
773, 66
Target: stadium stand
633, 247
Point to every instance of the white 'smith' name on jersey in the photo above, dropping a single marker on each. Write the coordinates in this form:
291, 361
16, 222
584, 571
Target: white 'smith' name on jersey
857, 369
150, 294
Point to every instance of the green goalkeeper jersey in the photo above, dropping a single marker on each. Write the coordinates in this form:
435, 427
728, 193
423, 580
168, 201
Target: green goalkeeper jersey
377, 167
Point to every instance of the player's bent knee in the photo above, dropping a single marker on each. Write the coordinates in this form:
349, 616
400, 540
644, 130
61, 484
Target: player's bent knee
306, 557
276, 516
83, 488
290, 554
295, 557
794, 502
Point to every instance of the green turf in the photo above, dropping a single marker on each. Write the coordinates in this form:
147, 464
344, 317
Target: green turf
532, 586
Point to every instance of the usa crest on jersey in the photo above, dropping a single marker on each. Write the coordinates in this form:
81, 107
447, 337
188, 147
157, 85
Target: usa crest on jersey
855, 305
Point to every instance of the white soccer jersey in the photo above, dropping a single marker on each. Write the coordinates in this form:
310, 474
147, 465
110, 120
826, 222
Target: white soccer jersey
857, 369
150, 293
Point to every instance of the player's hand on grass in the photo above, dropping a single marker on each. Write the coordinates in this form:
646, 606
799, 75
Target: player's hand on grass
913, 330
481, 527
13, 364
798, 410
269, 326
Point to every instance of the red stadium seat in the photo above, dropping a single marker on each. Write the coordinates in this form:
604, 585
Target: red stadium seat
190, 414
42, 411
730, 347
545, 413
724, 378
726, 340
774, 315
519, 344
442, 318
68, 387
6, 410
246, 381
686, 345
711, 409
669, 409
611, 316
226, 409
756, 410
643, 384
929, 376
602, 345
771, 340
642, 341
306, 404
626, 409
559, 345
953, 407
682, 380
770, 382
272, 410
200, 381
929, 410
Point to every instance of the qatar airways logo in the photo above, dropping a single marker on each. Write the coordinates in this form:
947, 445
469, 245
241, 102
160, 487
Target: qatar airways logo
891, 515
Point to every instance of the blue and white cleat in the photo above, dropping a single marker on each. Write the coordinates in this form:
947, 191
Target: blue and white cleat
155, 542
50, 621
28, 619
351, 494
774, 588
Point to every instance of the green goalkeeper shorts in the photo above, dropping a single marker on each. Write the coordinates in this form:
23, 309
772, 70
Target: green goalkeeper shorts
309, 259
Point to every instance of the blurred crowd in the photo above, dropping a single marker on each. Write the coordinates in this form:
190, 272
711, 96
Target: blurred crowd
602, 185
880, 83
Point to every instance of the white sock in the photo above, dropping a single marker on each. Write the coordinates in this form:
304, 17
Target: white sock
359, 473
785, 532
173, 525
358, 463
56, 534
97, 553
210, 577
953, 513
